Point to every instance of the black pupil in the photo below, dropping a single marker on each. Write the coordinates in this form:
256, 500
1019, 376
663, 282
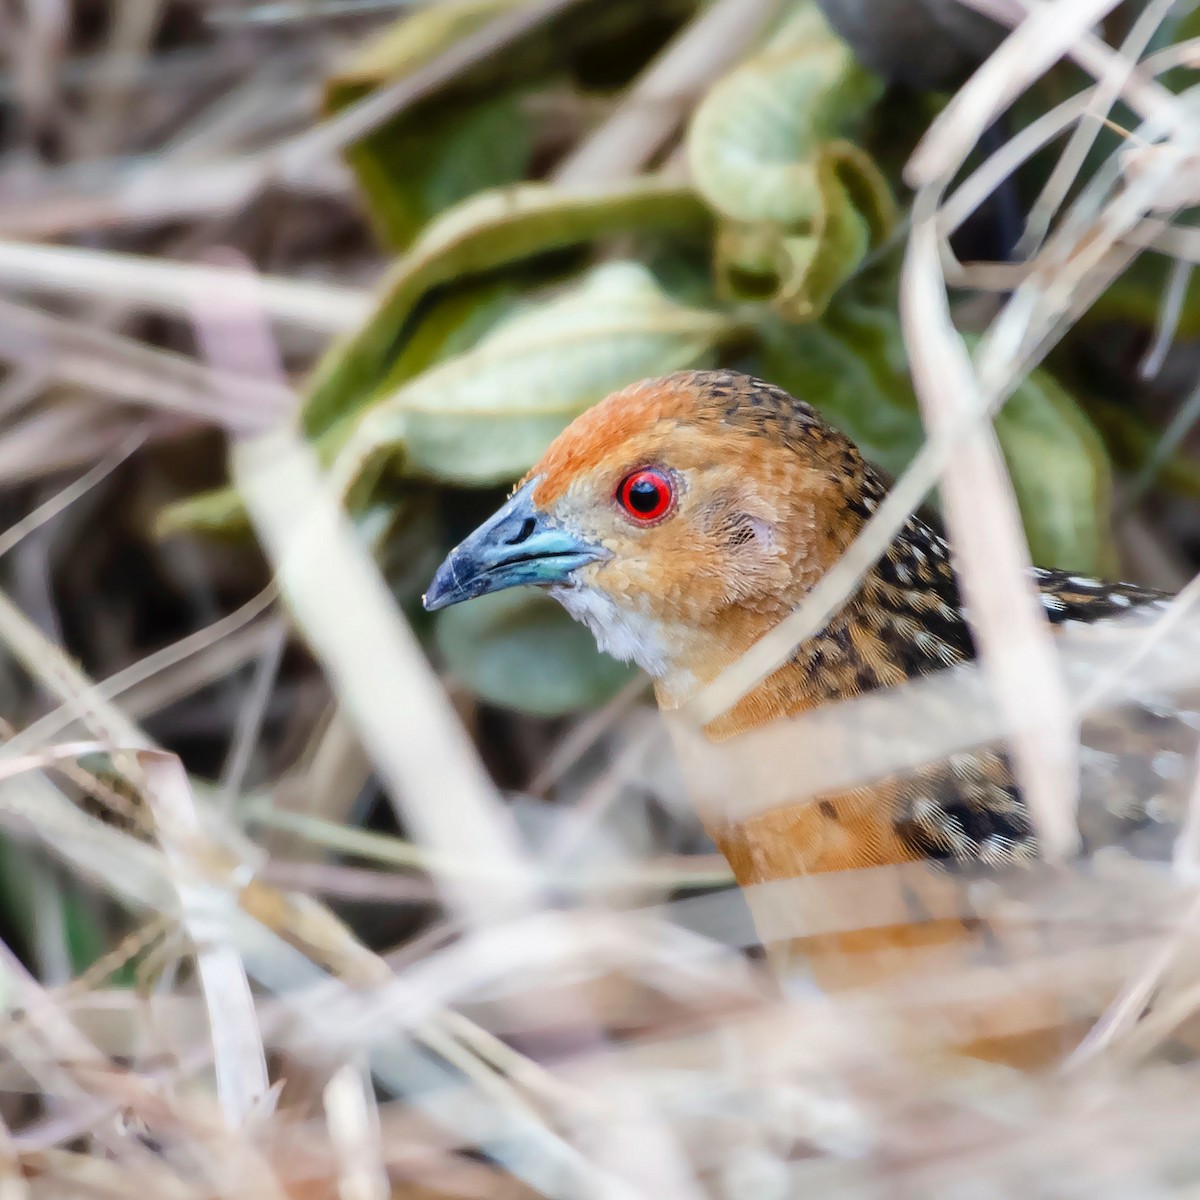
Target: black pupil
645, 494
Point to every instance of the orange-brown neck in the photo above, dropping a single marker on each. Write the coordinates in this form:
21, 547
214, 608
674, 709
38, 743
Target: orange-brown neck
904, 620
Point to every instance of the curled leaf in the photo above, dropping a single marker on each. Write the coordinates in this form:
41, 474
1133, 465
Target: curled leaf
798, 207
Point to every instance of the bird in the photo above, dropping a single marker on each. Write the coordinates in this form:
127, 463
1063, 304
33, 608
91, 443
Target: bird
682, 518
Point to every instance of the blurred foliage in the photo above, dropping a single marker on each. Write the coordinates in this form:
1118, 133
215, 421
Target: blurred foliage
1137, 297
493, 230
475, 133
515, 303
411, 170
490, 645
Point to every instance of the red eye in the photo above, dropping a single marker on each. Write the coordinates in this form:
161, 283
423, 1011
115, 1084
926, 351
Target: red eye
646, 495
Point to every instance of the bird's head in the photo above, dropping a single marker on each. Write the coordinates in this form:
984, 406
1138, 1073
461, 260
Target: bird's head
678, 519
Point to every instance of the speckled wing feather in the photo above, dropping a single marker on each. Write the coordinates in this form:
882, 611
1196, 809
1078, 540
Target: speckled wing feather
1135, 763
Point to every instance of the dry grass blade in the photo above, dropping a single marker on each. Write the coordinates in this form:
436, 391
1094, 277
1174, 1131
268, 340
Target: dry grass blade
1047, 34
156, 193
1187, 848
358, 120
48, 664
156, 285
210, 653
1136, 996
1091, 247
327, 782
242, 1082
377, 669
128, 40
355, 1135
992, 172
395, 852
654, 106
1006, 613
56, 504
1057, 187
250, 723
120, 367
72, 1059
40, 761
74, 434
1168, 320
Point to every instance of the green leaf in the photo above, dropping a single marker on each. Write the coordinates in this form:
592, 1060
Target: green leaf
1061, 475
799, 208
450, 323
851, 365
485, 148
486, 416
473, 131
491, 230
520, 650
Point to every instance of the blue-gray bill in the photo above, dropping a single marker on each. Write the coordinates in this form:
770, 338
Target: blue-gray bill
517, 545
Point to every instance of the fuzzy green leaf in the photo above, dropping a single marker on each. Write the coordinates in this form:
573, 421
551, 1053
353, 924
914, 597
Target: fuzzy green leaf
485, 416
491, 230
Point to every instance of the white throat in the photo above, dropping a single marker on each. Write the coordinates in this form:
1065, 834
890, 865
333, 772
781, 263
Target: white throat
618, 631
